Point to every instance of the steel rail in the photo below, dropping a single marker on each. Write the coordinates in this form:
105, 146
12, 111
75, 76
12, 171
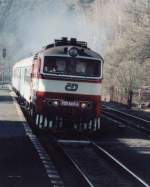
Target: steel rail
121, 165
74, 163
124, 113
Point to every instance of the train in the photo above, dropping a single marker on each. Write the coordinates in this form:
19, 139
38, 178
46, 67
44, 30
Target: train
60, 85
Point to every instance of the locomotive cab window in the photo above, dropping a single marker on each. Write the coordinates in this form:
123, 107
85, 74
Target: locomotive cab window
72, 66
54, 66
81, 68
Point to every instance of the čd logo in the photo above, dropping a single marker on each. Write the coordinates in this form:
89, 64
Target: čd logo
71, 87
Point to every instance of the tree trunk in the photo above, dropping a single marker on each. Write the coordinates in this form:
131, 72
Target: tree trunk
130, 95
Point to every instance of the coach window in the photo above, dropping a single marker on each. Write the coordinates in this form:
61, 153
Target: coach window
25, 74
28, 74
18, 73
14, 73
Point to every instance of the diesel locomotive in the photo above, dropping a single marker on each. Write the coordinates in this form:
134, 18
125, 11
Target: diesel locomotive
60, 85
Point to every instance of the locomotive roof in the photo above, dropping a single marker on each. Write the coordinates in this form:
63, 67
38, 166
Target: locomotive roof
61, 50
61, 47
24, 62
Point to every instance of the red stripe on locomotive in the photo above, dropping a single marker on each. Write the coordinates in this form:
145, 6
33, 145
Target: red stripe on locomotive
43, 97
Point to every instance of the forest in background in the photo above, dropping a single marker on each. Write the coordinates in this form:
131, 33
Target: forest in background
127, 58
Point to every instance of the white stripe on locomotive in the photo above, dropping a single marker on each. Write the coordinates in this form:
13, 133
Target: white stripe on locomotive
85, 88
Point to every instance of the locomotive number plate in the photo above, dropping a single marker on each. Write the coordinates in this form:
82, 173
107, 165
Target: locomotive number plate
70, 103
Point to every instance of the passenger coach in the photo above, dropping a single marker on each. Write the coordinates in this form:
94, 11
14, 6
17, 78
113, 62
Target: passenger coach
61, 85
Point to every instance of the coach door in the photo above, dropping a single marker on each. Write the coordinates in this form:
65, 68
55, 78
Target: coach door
27, 83
22, 81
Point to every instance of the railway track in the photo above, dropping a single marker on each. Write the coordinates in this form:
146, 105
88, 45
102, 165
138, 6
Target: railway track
85, 163
70, 173
123, 118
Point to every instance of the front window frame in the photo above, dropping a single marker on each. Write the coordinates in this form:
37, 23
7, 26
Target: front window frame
74, 76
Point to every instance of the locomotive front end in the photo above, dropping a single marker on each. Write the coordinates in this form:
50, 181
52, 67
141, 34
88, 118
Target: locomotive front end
69, 85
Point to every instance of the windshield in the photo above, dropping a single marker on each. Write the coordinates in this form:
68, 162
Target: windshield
69, 66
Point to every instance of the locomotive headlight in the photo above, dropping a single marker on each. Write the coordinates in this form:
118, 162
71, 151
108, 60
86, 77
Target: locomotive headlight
55, 103
83, 105
73, 51
86, 105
